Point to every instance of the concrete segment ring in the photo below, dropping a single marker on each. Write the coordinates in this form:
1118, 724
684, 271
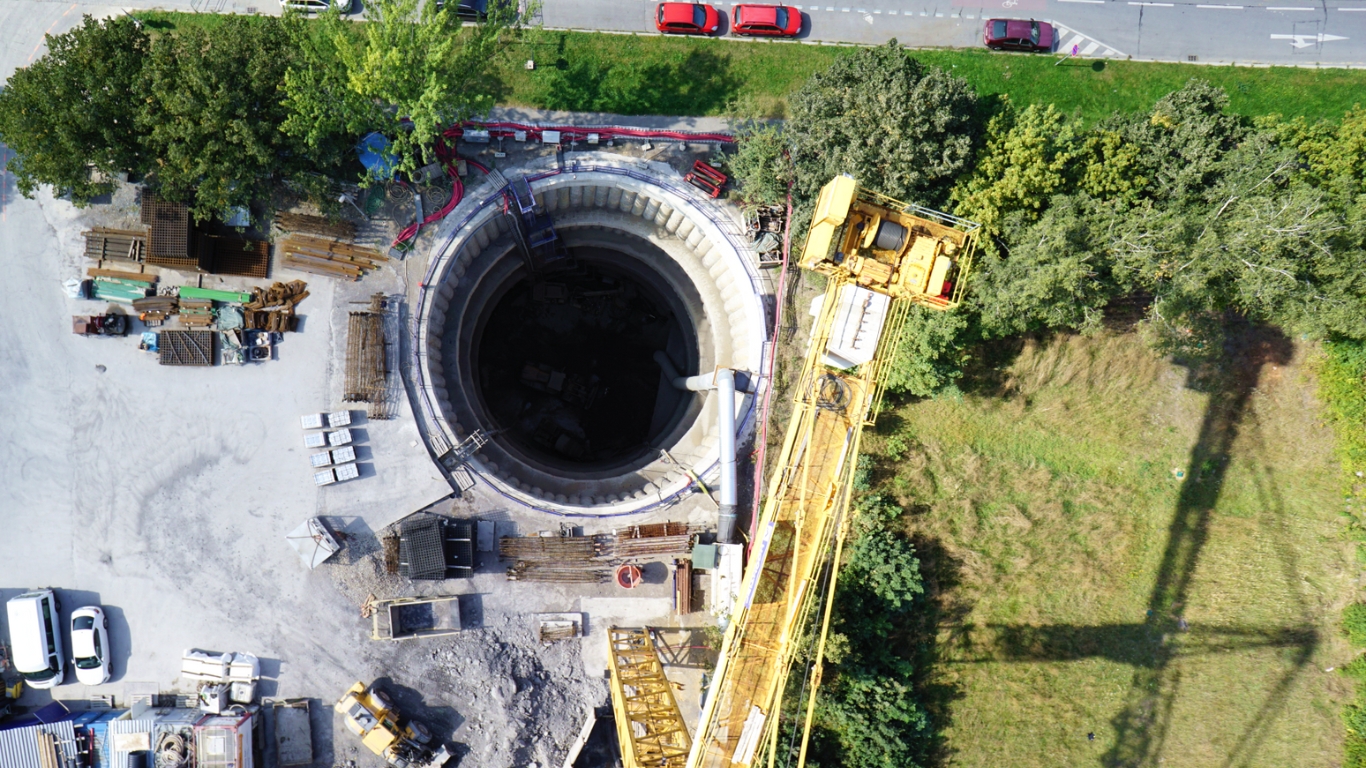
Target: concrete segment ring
644, 199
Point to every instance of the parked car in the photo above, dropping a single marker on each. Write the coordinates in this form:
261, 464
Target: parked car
35, 636
1018, 35
769, 20
478, 10
90, 644
316, 6
687, 19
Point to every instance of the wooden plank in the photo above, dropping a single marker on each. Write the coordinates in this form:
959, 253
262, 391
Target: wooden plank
321, 260
337, 257
136, 276
335, 246
308, 258
320, 268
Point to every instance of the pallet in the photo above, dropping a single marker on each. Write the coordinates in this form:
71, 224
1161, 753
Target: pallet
187, 348
104, 244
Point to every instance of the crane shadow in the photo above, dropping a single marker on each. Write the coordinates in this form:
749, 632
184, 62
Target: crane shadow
1151, 646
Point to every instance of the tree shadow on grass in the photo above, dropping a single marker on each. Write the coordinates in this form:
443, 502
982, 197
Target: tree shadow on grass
698, 84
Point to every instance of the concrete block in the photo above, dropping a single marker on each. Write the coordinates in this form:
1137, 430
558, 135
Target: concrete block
599, 196
576, 197
675, 221
638, 207
649, 211
446, 291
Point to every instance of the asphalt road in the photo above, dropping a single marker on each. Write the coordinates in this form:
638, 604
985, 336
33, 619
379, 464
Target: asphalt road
1276, 32
1295, 32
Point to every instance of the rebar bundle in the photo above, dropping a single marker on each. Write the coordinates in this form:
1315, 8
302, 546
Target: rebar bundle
631, 549
366, 358
555, 548
585, 573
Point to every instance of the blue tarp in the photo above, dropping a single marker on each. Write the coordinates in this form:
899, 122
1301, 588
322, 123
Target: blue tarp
374, 154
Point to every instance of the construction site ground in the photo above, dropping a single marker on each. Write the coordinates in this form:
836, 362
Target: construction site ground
165, 495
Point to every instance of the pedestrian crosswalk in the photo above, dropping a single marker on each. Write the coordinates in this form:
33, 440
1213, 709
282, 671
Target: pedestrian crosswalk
1085, 45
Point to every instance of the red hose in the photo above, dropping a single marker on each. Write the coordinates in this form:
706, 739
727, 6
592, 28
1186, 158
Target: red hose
448, 157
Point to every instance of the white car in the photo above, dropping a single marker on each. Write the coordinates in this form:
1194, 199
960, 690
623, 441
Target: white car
316, 6
90, 644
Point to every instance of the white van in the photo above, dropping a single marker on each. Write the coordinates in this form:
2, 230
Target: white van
35, 635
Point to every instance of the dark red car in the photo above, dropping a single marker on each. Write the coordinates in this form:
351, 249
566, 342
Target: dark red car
687, 19
771, 20
1018, 35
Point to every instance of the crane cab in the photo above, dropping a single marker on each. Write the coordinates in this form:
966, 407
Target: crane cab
897, 249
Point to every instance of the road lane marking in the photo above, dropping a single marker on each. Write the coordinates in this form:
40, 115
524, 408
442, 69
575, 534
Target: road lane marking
1296, 8
1304, 41
1094, 2
1222, 7
1090, 48
1352, 9
1155, 5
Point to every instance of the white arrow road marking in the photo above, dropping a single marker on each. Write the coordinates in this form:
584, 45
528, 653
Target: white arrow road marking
1304, 41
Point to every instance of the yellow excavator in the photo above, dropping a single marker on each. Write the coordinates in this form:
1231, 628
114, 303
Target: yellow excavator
880, 257
403, 743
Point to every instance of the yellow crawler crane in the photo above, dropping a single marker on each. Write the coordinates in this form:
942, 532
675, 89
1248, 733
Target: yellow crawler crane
880, 256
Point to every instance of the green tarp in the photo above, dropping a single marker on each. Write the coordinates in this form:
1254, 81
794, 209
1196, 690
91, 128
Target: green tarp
190, 292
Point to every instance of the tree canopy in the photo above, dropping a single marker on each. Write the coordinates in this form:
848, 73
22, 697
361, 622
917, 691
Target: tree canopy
75, 109
211, 113
410, 74
215, 114
907, 130
1197, 213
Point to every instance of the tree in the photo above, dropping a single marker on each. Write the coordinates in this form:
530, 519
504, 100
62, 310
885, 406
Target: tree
1027, 159
74, 109
930, 355
761, 165
409, 74
211, 112
899, 127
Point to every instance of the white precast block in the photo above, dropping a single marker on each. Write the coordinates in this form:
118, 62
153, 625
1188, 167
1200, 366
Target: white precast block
675, 221
649, 211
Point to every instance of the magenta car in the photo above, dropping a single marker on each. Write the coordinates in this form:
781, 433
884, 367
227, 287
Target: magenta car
1018, 35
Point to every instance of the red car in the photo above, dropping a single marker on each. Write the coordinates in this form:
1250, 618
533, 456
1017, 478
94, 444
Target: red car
1018, 35
773, 20
687, 19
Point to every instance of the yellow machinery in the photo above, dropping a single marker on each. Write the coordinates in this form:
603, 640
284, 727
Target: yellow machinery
649, 726
880, 256
369, 714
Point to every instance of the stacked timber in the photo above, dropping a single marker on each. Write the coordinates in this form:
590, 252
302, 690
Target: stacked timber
272, 309
104, 244
329, 257
117, 274
154, 310
196, 313
301, 223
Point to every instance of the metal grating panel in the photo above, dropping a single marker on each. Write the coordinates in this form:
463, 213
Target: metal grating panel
421, 554
19, 747
186, 347
168, 235
235, 256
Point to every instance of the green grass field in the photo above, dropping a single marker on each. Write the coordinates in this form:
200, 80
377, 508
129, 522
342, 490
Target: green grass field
676, 76
1117, 553
648, 74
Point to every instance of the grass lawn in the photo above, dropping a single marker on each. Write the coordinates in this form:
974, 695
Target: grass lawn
653, 75
1116, 552
676, 76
